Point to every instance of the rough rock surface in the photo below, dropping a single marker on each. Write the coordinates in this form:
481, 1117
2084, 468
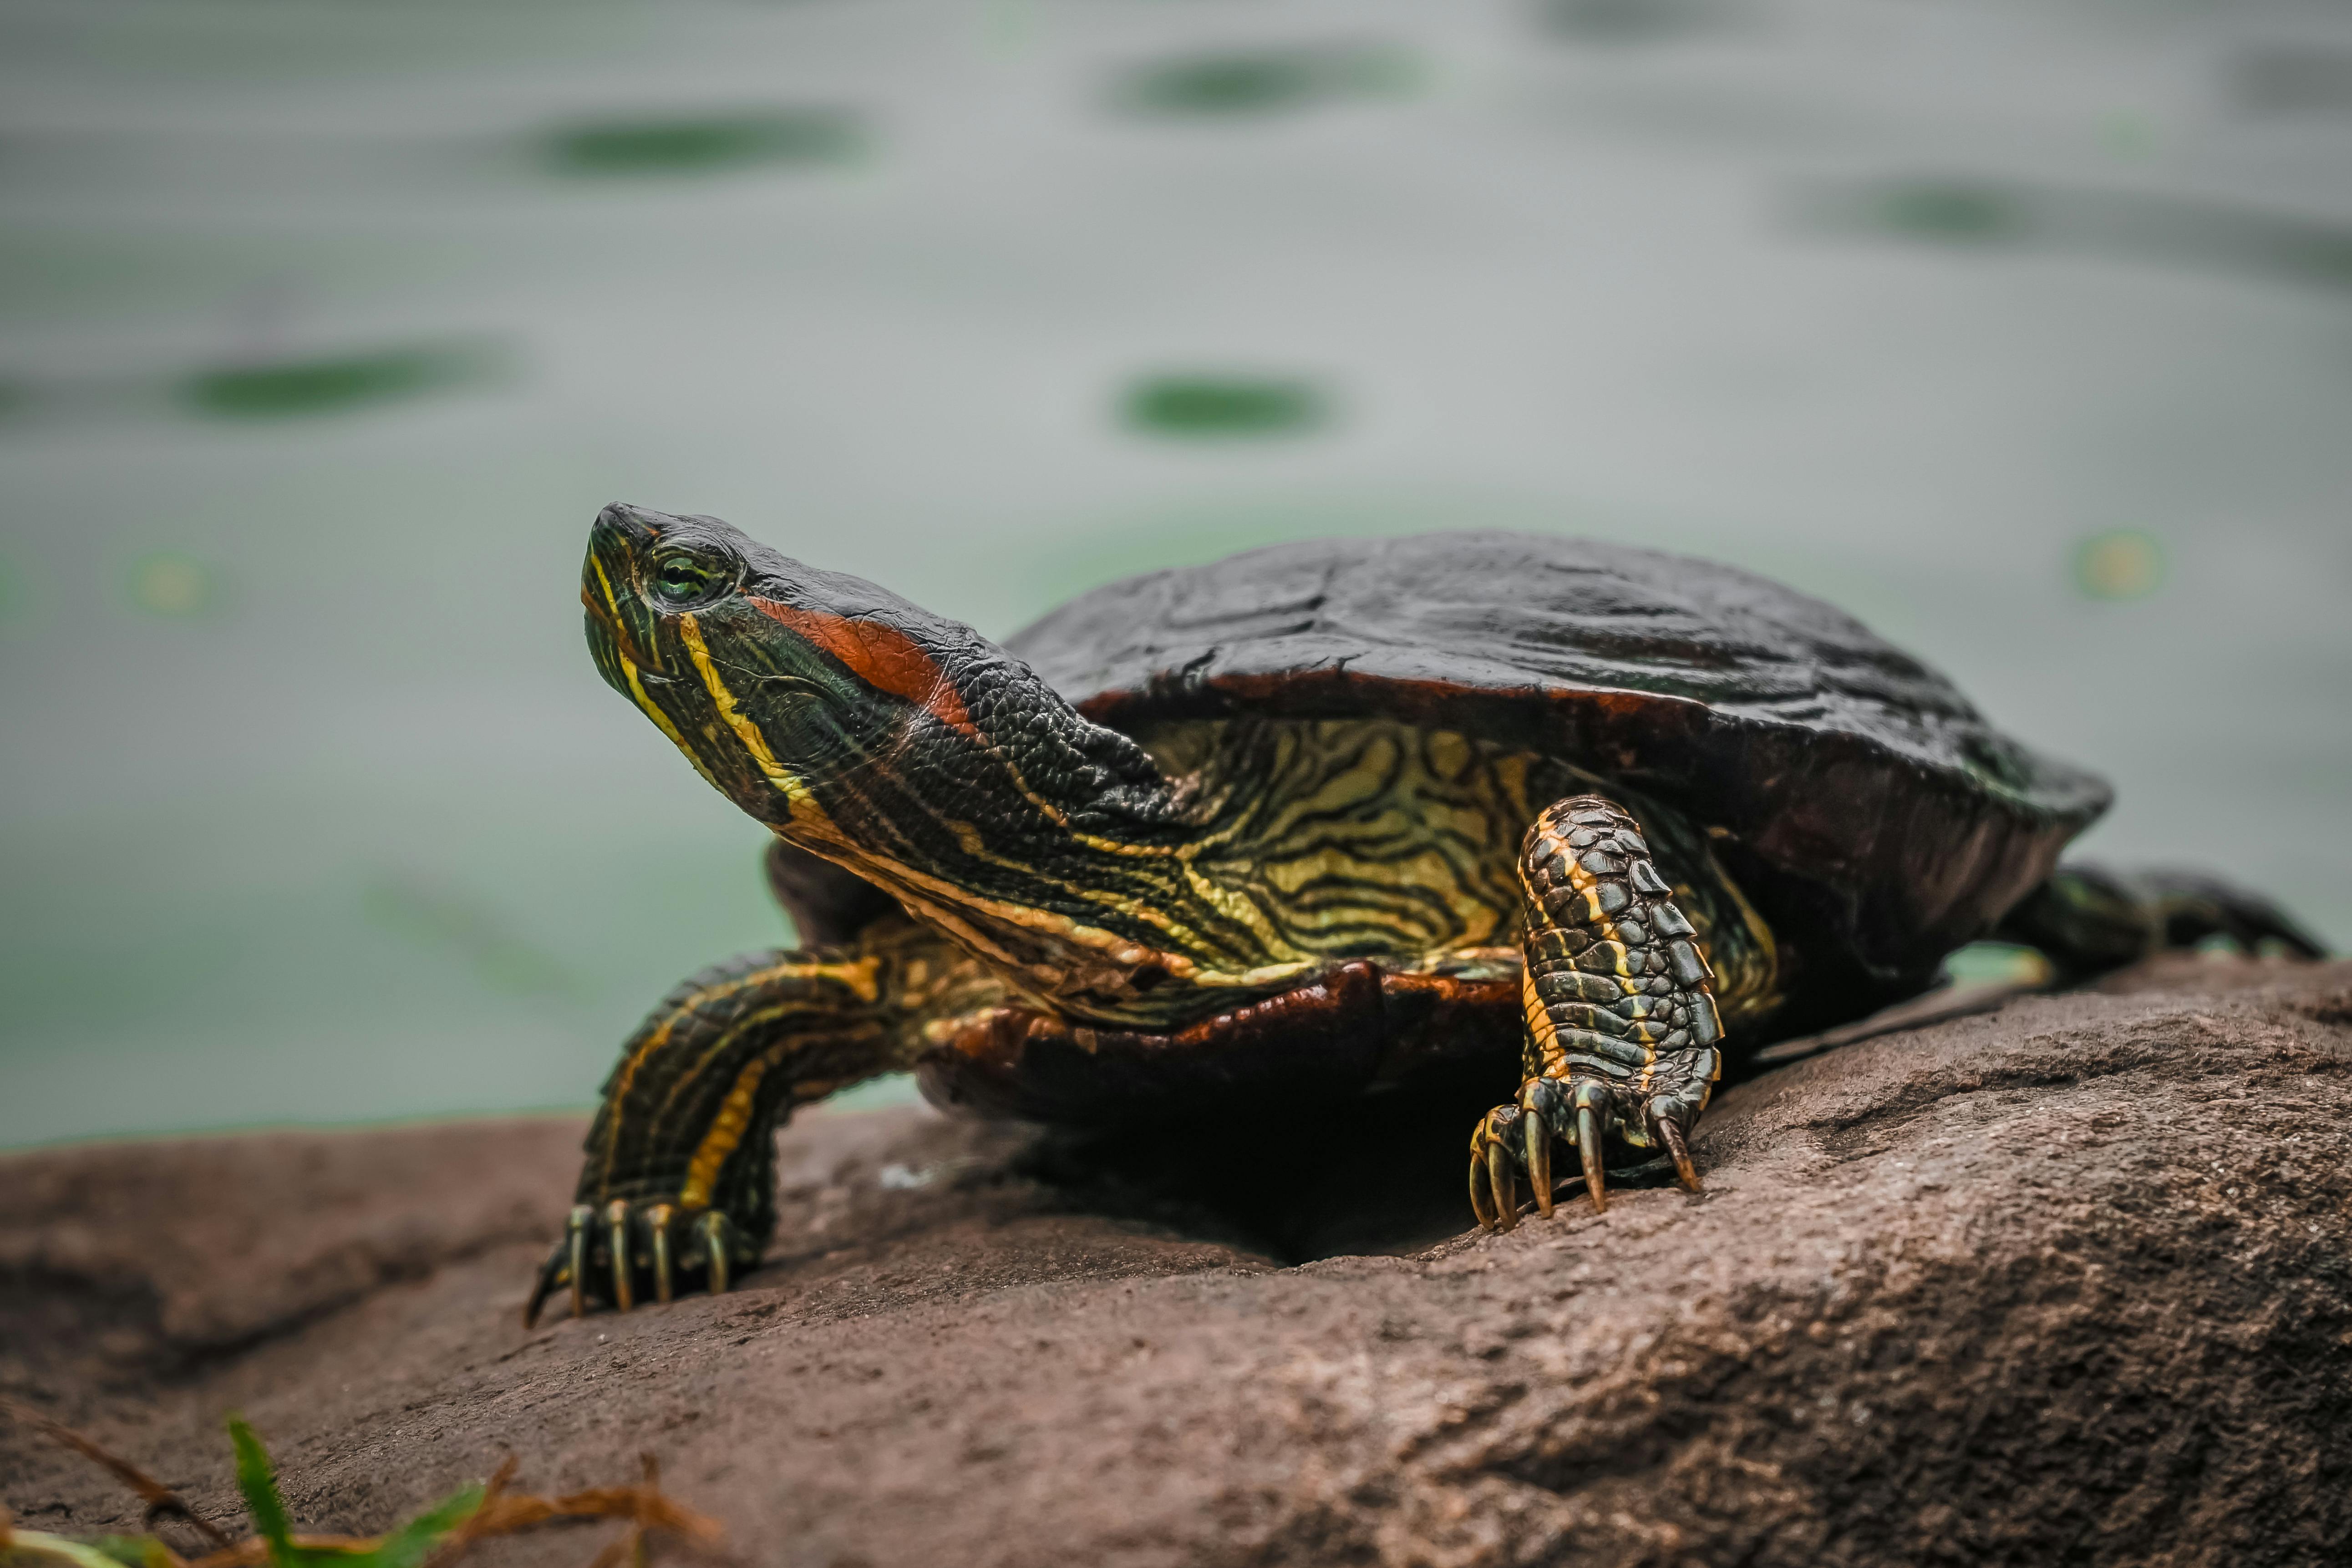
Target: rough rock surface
2070, 1282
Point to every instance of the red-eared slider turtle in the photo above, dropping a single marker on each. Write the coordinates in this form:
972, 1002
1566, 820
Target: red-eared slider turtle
1290, 824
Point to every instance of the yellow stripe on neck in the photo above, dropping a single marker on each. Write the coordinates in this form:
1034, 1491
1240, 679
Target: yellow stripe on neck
795, 791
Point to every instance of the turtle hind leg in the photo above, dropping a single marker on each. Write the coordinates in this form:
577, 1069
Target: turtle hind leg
1621, 1037
2087, 920
2191, 907
679, 1186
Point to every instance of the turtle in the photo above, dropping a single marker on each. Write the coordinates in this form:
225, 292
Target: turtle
1290, 826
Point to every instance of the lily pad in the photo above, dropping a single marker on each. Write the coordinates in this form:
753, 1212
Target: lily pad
708, 144
173, 586
1193, 405
1952, 210
2122, 563
2133, 225
331, 384
1261, 81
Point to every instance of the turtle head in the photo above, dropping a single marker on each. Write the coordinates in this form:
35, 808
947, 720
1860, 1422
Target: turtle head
904, 747
774, 678
834, 711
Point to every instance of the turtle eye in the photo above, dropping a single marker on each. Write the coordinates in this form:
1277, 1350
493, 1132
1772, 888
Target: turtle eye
683, 579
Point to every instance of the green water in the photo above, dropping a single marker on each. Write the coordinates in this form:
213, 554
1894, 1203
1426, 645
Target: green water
2023, 332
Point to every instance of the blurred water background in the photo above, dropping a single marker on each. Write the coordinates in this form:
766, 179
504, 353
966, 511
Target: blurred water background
2021, 331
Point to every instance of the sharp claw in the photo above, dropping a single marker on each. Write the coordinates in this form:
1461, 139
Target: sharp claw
1539, 1138
1480, 1204
1672, 1137
657, 1219
715, 1228
549, 1277
1587, 1145
616, 1219
1498, 1176
576, 1233
555, 1272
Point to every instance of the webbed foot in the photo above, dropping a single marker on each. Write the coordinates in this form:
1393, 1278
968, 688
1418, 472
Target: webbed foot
631, 1252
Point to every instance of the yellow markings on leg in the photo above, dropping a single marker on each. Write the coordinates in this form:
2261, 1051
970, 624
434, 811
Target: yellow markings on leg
1551, 1060
861, 976
1630, 984
734, 1120
726, 1132
718, 1049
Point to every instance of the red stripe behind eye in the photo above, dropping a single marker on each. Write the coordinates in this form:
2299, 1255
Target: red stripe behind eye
883, 656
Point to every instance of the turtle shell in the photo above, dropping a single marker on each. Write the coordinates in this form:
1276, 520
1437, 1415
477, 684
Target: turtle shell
1866, 808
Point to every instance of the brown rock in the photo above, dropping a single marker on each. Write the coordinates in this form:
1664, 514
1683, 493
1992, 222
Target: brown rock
2067, 1282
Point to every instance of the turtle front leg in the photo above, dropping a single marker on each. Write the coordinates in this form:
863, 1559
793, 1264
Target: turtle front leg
1621, 1036
679, 1182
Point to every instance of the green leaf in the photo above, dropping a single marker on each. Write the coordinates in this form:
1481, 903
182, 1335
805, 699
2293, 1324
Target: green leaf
135, 1551
259, 1482
413, 1541
404, 1548
38, 1543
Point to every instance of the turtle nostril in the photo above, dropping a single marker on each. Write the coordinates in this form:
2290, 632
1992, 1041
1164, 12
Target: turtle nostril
628, 525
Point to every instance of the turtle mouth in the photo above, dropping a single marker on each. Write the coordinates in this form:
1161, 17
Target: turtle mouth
611, 632
608, 590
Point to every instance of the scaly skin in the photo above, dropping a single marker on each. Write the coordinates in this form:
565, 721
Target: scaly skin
1622, 1037
1049, 864
1252, 884
2087, 920
680, 1175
